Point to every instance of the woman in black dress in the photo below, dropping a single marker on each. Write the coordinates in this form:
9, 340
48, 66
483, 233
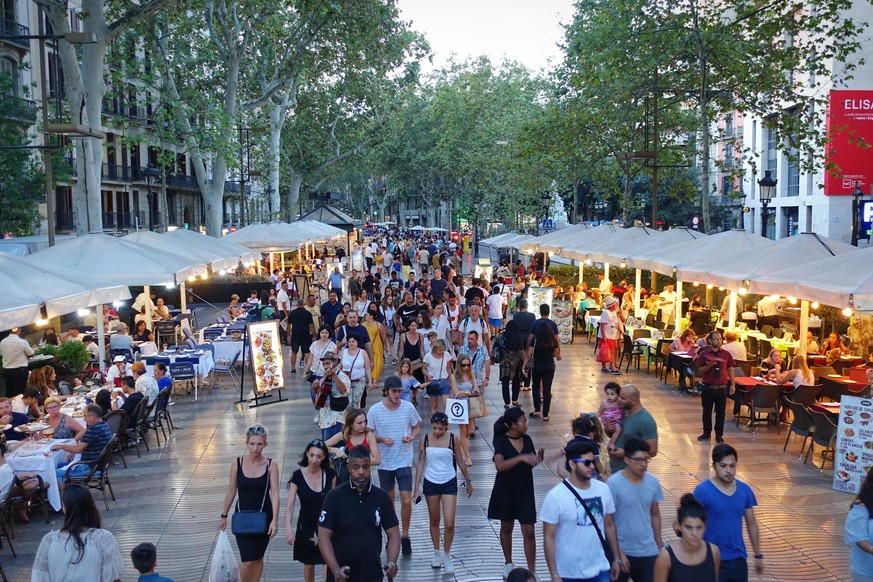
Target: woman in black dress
311, 484
512, 497
256, 478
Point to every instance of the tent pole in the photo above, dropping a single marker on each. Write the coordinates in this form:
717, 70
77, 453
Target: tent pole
638, 282
732, 310
803, 327
606, 273
101, 340
581, 268
677, 309
183, 298
148, 306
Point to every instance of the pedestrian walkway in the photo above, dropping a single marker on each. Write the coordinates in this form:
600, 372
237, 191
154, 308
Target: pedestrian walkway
173, 495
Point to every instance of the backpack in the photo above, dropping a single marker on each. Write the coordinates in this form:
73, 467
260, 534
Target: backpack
498, 348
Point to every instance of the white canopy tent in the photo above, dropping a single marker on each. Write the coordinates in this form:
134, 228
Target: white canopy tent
319, 229
549, 243
191, 239
269, 237
216, 260
28, 285
115, 261
664, 260
492, 240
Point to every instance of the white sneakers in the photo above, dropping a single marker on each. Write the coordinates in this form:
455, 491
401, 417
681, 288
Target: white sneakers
507, 569
437, 561
447, 561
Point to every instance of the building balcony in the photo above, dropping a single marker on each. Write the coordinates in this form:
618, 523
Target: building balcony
64, 221
23, 110
183, 181
9, 27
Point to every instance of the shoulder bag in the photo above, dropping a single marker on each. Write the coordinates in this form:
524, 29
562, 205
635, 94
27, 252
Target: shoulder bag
433, 389
476, 405
607, 551
249, 522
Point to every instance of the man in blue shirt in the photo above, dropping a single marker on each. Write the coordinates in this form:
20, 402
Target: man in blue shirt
727, 501
331, 309
11, 418
97, 436
336, 283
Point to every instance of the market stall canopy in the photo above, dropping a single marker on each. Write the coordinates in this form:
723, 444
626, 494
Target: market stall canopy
566, 247
493, 240
192, 239
106, 258
838, 281
514, 242
268, 237
333, 216
546, 242
730, 270
28, 284
322, 230
714, 247
194, 254
663, 239
595, 248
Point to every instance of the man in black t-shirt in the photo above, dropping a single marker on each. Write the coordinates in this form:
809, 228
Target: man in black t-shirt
407, 312
131, 399
350, 526
331, 309
302, 328
473, 293
437, 285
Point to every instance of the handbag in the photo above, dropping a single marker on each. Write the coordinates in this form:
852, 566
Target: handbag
433, 388
339, 403
477, 406
498, 350
249, 522
607, 551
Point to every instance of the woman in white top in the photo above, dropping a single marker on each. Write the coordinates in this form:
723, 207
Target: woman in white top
437, 369
361, 303
319, 347
389, 309
798, 375
80, 551
356, 365
436, 460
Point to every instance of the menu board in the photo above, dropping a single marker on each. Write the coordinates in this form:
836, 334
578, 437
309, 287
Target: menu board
266, 349
483, 272
854, 455
562, 314
536, 296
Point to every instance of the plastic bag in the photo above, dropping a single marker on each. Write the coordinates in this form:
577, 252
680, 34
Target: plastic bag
224, 566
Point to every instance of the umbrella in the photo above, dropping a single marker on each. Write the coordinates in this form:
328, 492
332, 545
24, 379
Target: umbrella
28, 284
195, 254
417, 228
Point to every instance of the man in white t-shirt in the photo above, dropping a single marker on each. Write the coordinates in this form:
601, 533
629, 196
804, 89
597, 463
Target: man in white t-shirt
668, 302
283, 303
570, 540
474, 322
396, 425
496, 304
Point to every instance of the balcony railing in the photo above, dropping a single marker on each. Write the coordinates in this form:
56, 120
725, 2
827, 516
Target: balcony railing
64, 221
12, 28
111, 107
20, 109
183, 181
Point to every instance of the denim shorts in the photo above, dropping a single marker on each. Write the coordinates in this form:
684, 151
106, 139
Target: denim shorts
80, 471
445, 387
403, 476
448, 488
495, 322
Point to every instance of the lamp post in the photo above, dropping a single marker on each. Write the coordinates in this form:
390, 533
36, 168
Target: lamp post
766, 187
269, 192
547, 202
599, 209
151, 172
856, 213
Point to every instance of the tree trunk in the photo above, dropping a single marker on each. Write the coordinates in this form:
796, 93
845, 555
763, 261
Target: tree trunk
294, 196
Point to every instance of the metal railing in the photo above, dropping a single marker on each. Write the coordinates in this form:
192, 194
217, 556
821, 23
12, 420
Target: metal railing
12, 28
20, 109
64, 221
183, 181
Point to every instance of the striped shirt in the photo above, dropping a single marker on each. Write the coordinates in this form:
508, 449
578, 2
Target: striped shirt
394, 424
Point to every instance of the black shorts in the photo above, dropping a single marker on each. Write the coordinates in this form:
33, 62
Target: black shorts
300, 343
447, 488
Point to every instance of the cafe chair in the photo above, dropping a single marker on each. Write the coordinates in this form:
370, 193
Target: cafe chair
126, 352
802, 424
662, 351
156, 420
64, 388
191, 343
824, 434
165, 332
629, 350
763, 398
819, 371
131, 431
116, 419
6, 518
225, 365
745, 366
753, 350
777, 333
148, 349
183, 372
142, 426
188, 335
805, 395
650, 320
767, 329
98, 476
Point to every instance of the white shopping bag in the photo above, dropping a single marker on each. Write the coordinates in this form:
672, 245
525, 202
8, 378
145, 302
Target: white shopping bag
457, 411
224, 566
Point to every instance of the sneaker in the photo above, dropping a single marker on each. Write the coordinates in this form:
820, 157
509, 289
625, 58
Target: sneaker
406, 546
293, 371
447, 560
507, 569
437, 559
704, 437
605, 371
615, 372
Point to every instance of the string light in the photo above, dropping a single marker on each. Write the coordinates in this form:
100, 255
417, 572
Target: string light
40, 322
792, 300
814, 304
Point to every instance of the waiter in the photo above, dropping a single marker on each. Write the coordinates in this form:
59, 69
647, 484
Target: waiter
15, 350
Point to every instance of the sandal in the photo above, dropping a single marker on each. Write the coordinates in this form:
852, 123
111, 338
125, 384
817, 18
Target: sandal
545, 419
516, 404
506, 407
414, 401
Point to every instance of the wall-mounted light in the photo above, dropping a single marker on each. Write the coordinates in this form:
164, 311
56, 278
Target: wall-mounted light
624, 264
792, 300
83, 312
814, 304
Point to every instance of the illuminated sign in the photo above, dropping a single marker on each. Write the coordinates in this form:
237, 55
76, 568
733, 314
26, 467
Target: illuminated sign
850, 130
866, 219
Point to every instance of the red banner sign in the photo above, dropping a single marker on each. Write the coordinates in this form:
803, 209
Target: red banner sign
850, 128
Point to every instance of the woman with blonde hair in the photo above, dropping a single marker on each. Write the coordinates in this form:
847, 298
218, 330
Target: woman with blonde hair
63, 425
463, 385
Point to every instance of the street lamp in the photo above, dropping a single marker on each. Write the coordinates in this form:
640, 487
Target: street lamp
151, 172
856, 213
766, 187
547, 202
269, 192
600, 209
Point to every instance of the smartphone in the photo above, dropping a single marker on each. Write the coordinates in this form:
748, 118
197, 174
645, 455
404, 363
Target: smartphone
418, 500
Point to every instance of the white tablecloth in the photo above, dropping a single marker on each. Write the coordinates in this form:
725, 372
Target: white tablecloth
203, 364
43, 463
228, 349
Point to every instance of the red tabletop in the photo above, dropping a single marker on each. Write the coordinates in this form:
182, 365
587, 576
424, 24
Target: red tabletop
826, 407
844, 381
746, 384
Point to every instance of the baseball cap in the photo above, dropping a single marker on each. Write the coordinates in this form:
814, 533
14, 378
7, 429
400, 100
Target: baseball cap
117, 359
328, 356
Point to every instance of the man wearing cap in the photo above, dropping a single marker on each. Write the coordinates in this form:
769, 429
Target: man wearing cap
119, 368
331, 421
27, 403
396, 425
611, 320
15, 350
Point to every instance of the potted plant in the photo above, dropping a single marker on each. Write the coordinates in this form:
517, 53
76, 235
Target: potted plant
72, 358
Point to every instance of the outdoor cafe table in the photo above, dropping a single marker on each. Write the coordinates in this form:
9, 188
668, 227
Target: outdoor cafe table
832, 408
36, 458
202, 360
834, 386
746, 384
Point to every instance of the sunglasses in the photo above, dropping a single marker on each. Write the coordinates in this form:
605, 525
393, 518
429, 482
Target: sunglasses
316, 443
465, 365
586, 462
257, 430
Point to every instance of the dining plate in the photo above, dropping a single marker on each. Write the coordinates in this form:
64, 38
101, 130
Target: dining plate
7, 427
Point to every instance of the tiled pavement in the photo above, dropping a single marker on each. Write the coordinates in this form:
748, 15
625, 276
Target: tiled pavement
172, 496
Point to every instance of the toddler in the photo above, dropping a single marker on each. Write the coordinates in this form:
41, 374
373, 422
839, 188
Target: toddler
410, 384
610, 412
